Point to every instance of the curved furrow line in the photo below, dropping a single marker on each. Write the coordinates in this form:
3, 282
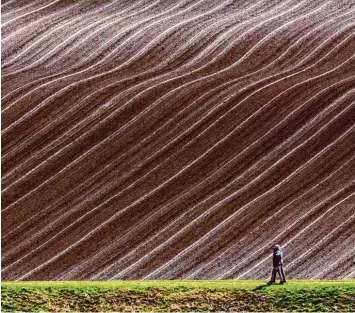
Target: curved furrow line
134, 28
108, 27
350, 274
137, 147
96, 91
177, 139
343, 264
340, 243
40, 80
30, 30
194, 16
53, 76
22, 37
235, 254
322, 208
306, 266
131, 40
7, 3
121, 274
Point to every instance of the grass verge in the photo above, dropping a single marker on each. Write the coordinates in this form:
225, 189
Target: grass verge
177, 296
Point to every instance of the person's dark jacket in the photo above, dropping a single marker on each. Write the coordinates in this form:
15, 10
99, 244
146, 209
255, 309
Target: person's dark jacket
278, 258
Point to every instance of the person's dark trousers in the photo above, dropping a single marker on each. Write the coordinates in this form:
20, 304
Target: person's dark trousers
282, 274
278, 269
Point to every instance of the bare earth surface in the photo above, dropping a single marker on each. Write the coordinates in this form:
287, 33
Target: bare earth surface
169, 139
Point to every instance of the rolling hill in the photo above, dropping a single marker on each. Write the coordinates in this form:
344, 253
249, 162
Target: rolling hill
170, 139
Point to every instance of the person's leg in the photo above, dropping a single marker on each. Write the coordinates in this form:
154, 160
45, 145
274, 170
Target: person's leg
273, 275
278, 272
283, 279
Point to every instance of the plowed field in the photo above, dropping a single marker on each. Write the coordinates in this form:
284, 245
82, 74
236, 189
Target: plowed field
177, 139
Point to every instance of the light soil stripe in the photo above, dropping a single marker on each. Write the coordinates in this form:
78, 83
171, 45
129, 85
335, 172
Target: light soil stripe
13, 12
192, 103
136, 56
350, 275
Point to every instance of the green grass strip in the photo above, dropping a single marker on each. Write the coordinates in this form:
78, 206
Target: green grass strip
178, 296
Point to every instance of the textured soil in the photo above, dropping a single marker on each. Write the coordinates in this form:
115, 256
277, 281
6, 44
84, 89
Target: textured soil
170, 139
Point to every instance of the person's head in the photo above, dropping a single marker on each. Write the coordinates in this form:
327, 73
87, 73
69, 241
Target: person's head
276, 247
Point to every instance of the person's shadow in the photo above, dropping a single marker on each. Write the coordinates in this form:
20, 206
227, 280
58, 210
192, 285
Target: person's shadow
261, 287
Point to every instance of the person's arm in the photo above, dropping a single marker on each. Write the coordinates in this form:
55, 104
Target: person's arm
282, 257
278, 259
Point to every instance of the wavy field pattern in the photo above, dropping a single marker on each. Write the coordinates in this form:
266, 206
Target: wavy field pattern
166, 139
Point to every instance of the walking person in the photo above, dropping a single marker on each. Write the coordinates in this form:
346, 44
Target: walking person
278, 262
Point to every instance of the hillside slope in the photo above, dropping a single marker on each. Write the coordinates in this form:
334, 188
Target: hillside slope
177, 139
